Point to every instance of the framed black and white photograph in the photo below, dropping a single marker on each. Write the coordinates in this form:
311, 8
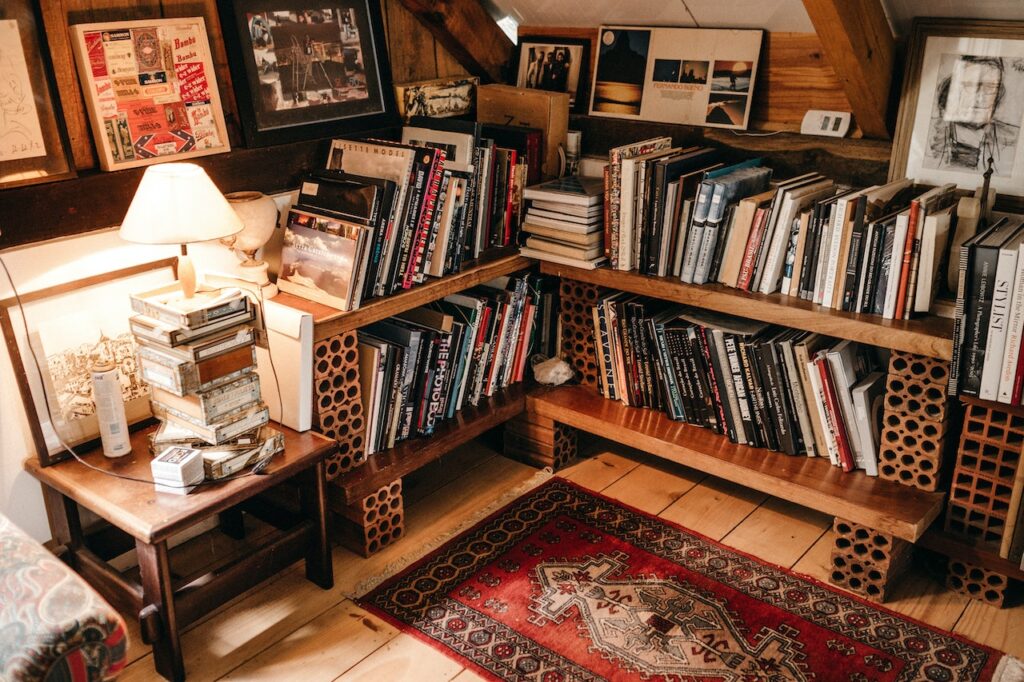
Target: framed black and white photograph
33, 143
65, 330
299, 69
963, 104
555, 64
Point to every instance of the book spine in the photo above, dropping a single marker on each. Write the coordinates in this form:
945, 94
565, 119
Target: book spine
611, 209
414, 199
699, 376
835, 414
718, 398
415, 262
754, 427
510, 201
854, 261
761, 392
430, 252
652, 251
746, 275
1015, 330
775, 395
809, 266
743, 404
674, 397
908, 257
979, 309
1006, 268
959, 314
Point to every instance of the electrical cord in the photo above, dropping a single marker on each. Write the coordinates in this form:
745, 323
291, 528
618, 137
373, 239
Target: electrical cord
257, 468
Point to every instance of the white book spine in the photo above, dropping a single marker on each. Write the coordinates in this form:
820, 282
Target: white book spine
1014, 333
834, 247
895, 265
992, 370
819, 403
626, 205
868, 458
781, 233
824, 245
799, 401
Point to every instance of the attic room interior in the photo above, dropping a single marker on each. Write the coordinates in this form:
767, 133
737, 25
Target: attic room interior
512, 340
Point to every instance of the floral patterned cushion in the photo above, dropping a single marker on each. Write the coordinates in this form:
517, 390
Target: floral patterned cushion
53, 626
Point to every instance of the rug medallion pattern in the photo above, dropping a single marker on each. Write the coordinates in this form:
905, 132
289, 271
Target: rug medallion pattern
566, 585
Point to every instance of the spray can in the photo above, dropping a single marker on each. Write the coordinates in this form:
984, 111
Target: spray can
106, 388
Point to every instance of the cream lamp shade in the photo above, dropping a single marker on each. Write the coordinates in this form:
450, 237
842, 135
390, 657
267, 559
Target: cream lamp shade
177, 203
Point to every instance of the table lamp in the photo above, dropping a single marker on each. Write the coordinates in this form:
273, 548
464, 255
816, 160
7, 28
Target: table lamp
177, 203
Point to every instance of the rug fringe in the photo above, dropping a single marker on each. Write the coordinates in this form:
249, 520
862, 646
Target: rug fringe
395, 567
1010, 669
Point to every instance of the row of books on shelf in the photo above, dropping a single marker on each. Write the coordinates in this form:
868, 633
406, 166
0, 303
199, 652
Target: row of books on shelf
419, 368
198, 357
761, 385
988, 327
685, 213
383, 215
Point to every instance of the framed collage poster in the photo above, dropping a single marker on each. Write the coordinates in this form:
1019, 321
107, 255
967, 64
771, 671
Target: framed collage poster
65, 330
303, 71
150, 89
691, 76
963, 104
33, 142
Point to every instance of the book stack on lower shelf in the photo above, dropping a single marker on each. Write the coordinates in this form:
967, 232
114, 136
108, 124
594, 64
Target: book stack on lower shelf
761, 385
198, 356
565, 221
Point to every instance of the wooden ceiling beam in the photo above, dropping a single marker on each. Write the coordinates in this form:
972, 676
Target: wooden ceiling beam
856, 39
466, 29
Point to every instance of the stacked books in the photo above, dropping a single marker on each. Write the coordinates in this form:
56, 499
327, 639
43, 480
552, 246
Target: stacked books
386, 215
422, 367
198, 356
565, 221
989, 322
758, 384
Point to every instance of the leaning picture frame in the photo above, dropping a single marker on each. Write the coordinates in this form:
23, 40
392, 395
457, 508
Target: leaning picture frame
555, 63
34, 145
55, 335
304, 71
962, 103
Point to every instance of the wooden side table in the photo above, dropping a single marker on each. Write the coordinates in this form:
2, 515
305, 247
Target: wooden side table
151, 518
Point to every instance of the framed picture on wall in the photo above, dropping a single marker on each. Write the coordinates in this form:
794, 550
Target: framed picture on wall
962, 104
305, 70
150, 89
33, 142
555, 64
66, 329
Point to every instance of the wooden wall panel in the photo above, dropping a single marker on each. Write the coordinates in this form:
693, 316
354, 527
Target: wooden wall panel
415, 53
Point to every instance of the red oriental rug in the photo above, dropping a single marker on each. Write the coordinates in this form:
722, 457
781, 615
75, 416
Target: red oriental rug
564, 584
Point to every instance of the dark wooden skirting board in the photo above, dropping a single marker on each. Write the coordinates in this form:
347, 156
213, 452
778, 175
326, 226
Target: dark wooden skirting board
384, 467
328, 321
962, 550
808, 481
931, 336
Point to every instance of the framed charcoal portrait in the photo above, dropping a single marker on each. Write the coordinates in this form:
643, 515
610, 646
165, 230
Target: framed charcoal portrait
303, 71
555, 64
962, 104
65, 330
33, 143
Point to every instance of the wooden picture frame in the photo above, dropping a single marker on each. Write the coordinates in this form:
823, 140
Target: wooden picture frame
66, 328
437, 97
150, 90
302, 71
962, 100
571, 72
33, 142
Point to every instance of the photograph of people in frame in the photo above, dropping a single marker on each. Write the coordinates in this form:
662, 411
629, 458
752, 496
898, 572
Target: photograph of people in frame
554, 66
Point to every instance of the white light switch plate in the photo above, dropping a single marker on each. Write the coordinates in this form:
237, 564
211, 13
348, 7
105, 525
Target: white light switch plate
829, 123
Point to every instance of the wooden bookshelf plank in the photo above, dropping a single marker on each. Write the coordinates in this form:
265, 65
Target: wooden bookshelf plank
962, 550
383, 467
328, 321
808, 481
931, 336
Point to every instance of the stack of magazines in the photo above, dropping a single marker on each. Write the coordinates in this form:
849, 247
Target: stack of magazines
198, 356
565, 221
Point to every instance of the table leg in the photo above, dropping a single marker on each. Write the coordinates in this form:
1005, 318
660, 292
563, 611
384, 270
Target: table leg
65, 523
158, 592
319, 568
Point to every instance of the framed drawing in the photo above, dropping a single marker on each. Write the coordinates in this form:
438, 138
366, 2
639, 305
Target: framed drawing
150, 90
64, 330
556, 64
33, 142
962, 103
437, 98
303, 71
692, 76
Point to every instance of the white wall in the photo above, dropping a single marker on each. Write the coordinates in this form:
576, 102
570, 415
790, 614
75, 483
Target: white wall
35, 267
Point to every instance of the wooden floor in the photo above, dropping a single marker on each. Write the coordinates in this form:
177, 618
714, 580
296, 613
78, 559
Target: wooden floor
288, 629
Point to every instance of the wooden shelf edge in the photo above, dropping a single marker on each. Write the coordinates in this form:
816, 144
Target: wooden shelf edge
328, 322
930, 336
384, 467
963, 550
809, 481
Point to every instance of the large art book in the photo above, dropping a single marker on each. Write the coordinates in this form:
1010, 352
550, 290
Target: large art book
321, 259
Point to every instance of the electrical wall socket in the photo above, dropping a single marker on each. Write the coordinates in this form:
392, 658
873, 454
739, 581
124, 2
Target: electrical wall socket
828, 123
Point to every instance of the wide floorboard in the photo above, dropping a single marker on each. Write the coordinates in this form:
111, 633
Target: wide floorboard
288, 629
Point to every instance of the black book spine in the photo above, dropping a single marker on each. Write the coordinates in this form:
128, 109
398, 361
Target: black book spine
809, 260
982, 274
674, 341
746, 415
427, 222
854, 259
885, 268
438, 378
407, 232
764, 405
871, 265
652, 243
756, 434
723, 237
626, 346
789, 401
425, 379
719, 376
717, 403
958, 321
775, 394
698, 376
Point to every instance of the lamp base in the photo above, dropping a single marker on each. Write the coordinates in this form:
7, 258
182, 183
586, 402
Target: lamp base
255, 271
187, 275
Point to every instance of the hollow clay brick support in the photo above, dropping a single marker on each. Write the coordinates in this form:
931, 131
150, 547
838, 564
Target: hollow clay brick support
866, 561
374, 522
976, 582
991, 443
540, 441
577, 301
337, 406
